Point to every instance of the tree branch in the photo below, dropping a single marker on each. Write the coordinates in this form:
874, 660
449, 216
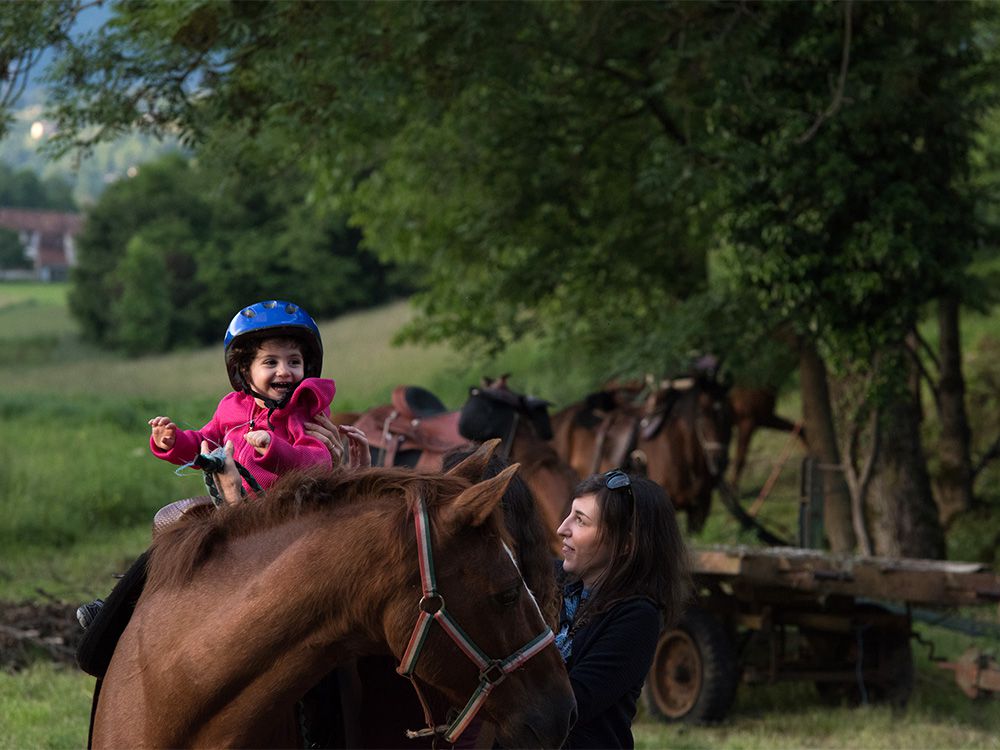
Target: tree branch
925, 374
991, 454
838, 94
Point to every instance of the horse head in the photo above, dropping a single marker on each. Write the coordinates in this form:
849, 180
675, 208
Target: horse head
493, 411
701, 401
714, 424
498, 655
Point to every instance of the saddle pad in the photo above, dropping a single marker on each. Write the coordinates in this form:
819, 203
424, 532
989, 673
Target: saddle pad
98, 645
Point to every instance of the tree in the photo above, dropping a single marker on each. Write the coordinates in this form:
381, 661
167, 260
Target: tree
830, 216
165, 192
12, 253
573, 170
24, 189
27, 30
177, 249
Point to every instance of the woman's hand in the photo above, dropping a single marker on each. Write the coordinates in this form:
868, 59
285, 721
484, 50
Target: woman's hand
359, 453
337, 438
228, 481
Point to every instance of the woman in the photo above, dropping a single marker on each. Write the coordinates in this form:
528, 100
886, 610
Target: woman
625, 575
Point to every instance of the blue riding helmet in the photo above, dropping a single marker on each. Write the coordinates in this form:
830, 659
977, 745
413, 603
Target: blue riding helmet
274, 319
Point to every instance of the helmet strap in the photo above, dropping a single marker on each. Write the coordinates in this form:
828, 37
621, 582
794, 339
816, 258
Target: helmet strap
270, 403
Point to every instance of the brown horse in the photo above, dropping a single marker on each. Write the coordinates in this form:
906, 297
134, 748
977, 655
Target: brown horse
379, 685
246, 608
678, 436
522, 423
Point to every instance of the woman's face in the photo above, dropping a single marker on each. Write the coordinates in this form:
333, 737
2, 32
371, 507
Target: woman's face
584, 556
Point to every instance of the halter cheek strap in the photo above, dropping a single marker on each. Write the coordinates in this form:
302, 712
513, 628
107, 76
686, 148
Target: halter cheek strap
432, 608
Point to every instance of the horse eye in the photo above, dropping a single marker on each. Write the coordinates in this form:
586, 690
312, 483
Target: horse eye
509, 597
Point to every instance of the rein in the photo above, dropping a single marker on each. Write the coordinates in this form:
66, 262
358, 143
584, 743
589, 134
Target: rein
215, 463
432, 608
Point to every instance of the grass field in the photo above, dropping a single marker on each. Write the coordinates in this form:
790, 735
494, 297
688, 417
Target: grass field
78, 488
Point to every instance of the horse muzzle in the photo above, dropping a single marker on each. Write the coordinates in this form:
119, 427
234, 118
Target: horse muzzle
545, 724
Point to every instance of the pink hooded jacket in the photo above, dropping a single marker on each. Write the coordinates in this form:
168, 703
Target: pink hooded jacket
238, 414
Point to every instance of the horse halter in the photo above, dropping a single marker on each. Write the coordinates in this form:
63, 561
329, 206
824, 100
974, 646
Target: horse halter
491, 671
712, 449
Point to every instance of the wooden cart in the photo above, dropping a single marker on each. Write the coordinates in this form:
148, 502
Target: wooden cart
785, 613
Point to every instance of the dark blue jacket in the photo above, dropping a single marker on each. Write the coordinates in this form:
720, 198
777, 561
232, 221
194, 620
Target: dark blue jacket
610, 657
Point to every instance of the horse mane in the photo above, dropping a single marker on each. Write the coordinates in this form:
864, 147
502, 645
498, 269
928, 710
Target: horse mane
181, 549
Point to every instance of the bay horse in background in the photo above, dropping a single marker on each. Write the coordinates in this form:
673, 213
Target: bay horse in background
678, 436
248, 607
522, 423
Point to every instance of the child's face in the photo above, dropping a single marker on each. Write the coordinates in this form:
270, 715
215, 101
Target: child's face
277, 366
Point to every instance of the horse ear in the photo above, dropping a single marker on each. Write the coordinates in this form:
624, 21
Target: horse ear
476, 503
472, 468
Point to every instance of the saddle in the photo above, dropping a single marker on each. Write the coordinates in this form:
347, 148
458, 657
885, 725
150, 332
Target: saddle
416, 429
619, 423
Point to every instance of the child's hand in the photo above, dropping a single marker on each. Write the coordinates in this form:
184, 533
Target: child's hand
163, 432
259, 439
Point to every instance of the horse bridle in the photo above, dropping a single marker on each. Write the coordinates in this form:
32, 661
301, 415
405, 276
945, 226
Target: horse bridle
491, 671
709, 447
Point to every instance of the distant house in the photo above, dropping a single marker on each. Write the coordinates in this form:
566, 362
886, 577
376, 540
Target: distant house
48, 238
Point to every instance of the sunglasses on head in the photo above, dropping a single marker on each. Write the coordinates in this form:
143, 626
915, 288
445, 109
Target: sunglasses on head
616, 479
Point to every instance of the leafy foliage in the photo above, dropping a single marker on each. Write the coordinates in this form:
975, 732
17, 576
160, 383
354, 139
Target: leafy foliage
845, 225
12, 253
568, 170
24, 189
26, 31
165, 256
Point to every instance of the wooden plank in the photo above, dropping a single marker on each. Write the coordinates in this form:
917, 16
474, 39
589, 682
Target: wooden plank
931, 582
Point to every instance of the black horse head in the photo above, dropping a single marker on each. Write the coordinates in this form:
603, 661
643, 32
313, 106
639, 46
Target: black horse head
492, 409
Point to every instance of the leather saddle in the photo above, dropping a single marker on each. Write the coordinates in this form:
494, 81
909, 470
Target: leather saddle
415, 430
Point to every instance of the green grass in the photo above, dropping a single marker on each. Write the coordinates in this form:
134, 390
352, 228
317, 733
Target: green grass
45, 706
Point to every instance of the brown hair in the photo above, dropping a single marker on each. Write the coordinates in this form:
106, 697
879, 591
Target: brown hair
648, 554
243, 350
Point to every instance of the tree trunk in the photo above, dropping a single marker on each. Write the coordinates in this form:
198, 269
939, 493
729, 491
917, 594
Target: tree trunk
953, 479
818, 416
902, 514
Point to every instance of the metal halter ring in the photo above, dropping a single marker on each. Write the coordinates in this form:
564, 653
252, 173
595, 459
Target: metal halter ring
431, 603
493, 673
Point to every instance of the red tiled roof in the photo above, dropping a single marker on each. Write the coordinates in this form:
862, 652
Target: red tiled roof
46, 222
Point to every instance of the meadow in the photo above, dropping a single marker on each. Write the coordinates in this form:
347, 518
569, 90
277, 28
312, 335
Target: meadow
78, 488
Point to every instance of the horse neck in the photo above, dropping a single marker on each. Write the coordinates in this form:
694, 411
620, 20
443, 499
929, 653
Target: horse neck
269, 617
336, 563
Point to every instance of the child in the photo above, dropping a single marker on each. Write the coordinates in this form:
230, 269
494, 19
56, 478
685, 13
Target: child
274, 355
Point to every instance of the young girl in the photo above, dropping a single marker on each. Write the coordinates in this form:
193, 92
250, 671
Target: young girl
626, 575
274, 356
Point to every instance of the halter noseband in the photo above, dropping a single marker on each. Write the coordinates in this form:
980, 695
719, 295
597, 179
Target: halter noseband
491, 671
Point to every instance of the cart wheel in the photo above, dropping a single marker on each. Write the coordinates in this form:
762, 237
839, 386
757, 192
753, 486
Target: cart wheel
883, 648
694, 673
